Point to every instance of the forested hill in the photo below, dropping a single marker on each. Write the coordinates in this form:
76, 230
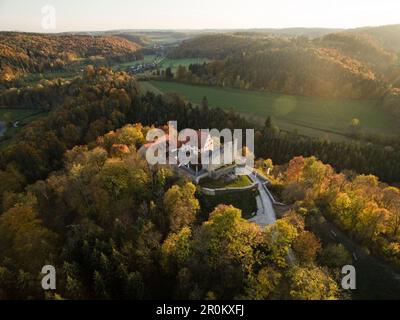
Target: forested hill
346, 64
386, 36
22, 53
361, 47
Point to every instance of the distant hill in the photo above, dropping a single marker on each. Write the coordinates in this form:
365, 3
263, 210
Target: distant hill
149, 37
365, 49
168, 37
341, 64
221, 45
388, 37
298, 32
138, 39
22, 53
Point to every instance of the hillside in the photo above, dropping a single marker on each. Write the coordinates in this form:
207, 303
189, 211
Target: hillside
387, 36
292, 66
298, 32
22, 53
221, 45
365, 49
361, 46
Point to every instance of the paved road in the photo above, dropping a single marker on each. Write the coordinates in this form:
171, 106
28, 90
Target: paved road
265, 211
2, 128
375, 278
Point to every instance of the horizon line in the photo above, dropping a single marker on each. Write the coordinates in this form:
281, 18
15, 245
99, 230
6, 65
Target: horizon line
204, 29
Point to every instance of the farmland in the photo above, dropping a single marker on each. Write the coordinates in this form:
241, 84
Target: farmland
319, 117
165, 63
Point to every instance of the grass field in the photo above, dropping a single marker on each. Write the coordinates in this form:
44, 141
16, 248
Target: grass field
239, 182
319, 117
172, 63
175, 63
245, 201
123, 66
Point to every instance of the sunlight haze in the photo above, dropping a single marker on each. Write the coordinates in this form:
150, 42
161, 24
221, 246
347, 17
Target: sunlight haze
92, 15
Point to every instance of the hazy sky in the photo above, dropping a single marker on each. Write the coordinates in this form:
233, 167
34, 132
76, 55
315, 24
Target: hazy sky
89, 15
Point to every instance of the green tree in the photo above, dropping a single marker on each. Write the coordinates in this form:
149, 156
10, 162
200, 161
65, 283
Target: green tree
312, 283
355, 127
24, 239
204, 103
268, 123
335, 256
264, 285
280, 236
168, 74
176, 249
181, 206
224, 248
181, 73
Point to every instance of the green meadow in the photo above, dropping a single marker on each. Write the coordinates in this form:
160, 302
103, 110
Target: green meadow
319, 117
166, 62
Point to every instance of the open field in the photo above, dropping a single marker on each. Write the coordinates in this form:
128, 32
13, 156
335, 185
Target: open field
175, 63
172, 63
245, 201
239, 182
148, 86
318, 117
124, 65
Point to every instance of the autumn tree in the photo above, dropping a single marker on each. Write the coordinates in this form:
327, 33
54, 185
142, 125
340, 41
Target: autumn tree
24, 239
391, 201
279, 237
181, 206
312, 283
306, 246
225, 249
176, 250
335, 256
264, 285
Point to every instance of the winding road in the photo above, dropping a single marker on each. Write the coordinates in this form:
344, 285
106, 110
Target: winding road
265, 211
3, 128
375, 278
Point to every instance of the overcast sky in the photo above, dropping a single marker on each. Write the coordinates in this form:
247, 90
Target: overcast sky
90, 15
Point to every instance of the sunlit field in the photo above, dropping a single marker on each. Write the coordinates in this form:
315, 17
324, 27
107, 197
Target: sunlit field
309, 115
165, 63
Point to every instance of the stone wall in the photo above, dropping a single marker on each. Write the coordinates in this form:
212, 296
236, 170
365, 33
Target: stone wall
222, 191
222, 171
